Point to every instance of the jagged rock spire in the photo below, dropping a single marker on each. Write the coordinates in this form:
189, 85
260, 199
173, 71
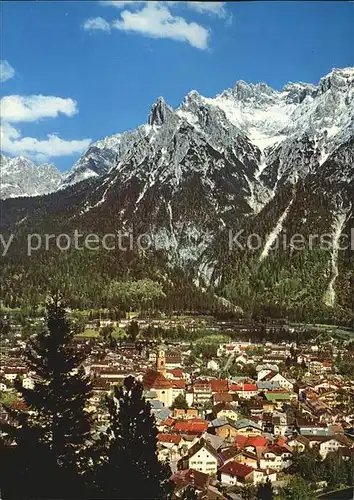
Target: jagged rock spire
159, 112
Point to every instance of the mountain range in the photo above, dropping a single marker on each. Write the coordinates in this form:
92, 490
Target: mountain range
252, 159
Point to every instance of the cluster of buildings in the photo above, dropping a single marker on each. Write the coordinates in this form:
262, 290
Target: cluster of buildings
219, 433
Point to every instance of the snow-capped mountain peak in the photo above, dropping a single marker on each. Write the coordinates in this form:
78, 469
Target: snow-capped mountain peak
22, 177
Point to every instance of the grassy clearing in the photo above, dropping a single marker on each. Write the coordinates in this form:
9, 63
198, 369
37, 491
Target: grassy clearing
89, 334
213, 339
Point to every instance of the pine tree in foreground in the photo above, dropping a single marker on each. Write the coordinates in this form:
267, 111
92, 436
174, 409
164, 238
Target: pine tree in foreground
130, 468
51, 431
265, 491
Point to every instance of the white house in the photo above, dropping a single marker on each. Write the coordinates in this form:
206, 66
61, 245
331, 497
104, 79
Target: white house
201, 457
333, 444
235, 473
276, 457
28, 382
3, 386
278, 377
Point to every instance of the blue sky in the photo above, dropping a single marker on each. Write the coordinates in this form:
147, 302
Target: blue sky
79, 71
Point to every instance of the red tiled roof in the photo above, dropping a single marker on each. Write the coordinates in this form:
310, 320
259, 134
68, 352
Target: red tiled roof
256, 441
169, 438
177, 372
194, 426
168, 422
219, 385
192, 477
154, 379
240, 441
178, 384
10, 370
244, 387
201, 384
236, 469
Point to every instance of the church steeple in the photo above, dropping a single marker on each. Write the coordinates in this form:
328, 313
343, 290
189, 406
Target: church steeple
161, 361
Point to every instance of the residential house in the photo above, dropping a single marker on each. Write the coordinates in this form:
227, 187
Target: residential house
199, 482
224, 410
333, 443
236, 473
247, 458
277, 423
201, 457
275, 376
244, 391
169, 446
276, 457
247, 427
276, 399
202, 392
224, 428
265, 385
298, 443
173, 360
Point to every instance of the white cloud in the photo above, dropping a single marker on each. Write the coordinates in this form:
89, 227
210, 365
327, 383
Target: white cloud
6, 71
14, 144
213, 8
120, 5
96, 23
155, 20
16, 108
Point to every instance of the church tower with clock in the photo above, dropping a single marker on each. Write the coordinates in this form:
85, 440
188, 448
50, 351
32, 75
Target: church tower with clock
161, 361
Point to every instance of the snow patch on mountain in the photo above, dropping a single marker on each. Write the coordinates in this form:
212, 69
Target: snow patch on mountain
337, 227
275, 232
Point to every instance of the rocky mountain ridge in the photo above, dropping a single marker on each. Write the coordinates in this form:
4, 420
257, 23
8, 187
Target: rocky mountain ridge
266, 118
22, 177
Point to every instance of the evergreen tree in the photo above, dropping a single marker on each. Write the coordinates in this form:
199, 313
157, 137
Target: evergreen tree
265, 491
129, 466
51, 427
180, 403
133, 330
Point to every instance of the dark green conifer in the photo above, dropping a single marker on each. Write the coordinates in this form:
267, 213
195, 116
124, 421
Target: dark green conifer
51, 427
130, 468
